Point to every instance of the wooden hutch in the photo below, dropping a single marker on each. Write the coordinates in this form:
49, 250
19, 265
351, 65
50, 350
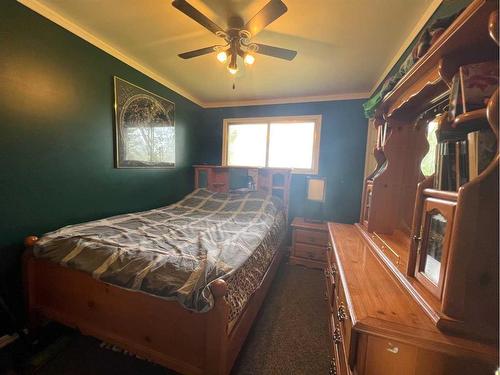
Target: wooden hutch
394, 307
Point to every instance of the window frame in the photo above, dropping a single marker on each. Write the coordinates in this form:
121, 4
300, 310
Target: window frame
316, 119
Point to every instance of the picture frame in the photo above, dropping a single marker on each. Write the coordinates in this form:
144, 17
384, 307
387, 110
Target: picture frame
144, 127
478, 82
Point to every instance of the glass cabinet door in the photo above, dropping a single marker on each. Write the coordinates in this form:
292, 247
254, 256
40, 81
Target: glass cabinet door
435, 235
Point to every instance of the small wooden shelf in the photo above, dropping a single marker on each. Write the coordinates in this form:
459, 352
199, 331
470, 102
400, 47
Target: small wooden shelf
441, 194
398, 245
471, 121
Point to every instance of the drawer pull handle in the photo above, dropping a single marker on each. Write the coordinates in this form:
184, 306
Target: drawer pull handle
393, 349
341, 314
329, 246
334, 271
333, 367
337, 335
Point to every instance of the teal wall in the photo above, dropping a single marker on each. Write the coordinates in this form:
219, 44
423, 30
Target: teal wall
342, 151
56, 139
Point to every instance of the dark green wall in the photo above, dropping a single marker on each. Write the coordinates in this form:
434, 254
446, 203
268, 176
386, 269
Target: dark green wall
56, 139
342, 150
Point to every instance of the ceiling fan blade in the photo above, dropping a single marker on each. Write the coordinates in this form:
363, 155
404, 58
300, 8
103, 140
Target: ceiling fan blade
271, 11
280, 53
197, 52
196, 15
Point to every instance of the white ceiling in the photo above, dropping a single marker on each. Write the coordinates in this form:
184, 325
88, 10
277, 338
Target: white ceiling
344, 46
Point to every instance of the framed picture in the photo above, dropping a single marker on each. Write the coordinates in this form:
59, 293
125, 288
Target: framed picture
144, 128
478, 83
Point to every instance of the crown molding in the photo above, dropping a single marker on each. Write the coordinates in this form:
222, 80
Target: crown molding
79, 31
414, 33
291, 100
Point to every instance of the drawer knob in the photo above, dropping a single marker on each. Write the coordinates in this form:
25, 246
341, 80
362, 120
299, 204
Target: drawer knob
330, 272
341, 313
329, 246
392, 349
337, 335
334, 271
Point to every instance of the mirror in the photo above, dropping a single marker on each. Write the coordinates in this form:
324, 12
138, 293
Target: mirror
428, 164
434, 249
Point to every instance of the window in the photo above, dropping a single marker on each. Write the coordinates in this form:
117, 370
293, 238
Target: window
276, 142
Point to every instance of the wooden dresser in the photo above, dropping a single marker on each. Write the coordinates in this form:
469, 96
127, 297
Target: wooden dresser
377, 328
413, 288
309, 242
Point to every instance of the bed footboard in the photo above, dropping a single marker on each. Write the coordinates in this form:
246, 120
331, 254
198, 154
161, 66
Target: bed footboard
159, 330
153, 328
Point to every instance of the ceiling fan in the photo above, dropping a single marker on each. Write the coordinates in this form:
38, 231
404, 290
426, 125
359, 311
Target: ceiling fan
238, 35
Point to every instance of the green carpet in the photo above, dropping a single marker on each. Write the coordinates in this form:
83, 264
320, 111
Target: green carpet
290, 336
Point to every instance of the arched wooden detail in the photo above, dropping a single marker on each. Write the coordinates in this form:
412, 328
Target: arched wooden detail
395, 186
473, 268
493, 26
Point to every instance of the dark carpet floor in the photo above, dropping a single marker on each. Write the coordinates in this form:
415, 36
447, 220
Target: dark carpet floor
290, 336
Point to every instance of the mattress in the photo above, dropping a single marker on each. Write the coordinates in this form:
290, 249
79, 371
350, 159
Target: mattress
175, 252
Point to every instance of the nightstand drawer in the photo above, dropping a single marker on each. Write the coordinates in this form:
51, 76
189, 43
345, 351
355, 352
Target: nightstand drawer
311, 237
310, 252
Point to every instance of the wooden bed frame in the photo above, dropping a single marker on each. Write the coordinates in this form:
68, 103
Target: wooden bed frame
156, 329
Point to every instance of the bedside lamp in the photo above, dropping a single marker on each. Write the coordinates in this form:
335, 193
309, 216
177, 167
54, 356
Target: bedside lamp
316, 191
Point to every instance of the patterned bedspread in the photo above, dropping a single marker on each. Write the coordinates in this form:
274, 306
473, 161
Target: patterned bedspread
175, 252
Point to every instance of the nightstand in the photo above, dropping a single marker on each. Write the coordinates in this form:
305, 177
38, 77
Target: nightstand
309, 243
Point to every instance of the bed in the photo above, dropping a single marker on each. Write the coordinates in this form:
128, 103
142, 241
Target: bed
179, 285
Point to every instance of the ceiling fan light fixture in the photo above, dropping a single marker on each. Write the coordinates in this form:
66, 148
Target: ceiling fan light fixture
222, 56
232, 66
249, 59
238, 36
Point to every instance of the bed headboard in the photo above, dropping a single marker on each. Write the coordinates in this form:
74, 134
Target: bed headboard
270, 180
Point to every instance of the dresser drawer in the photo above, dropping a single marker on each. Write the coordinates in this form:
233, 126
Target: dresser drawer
388, 357
310, 252
311, 237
